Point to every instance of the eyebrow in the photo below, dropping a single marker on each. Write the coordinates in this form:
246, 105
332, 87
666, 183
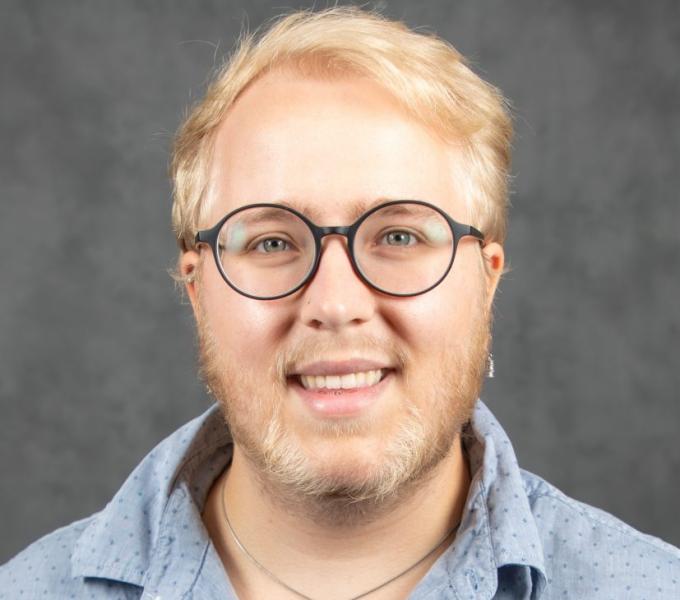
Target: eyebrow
264, 214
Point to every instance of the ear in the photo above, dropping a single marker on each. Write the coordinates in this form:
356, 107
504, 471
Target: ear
189, 266
494, 262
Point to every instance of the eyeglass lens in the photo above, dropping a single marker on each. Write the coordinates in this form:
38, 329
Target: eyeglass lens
402, 249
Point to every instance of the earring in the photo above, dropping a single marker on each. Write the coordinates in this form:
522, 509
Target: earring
489, 366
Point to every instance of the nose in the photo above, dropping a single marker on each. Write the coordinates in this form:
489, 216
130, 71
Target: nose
336, 297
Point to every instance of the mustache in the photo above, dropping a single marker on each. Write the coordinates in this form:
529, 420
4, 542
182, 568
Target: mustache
338, 347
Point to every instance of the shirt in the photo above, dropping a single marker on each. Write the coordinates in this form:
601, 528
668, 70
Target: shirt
519, 537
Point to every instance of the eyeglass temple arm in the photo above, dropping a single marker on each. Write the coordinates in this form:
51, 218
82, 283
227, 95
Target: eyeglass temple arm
208, 236
476, 233
461, 231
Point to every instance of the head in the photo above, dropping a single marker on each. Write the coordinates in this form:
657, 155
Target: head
332, 113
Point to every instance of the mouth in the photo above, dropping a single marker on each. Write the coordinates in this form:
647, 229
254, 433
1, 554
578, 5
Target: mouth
348, 381
340, 392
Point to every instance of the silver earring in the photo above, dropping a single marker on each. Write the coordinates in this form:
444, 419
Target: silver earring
489, 366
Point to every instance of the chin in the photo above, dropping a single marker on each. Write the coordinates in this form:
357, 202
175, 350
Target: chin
356, 461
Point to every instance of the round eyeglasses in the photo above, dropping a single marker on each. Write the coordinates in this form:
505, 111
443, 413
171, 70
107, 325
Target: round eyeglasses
400, 248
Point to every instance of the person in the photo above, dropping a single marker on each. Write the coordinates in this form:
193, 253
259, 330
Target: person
340, 206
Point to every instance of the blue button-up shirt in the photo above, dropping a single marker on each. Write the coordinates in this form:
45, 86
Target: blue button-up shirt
519, 537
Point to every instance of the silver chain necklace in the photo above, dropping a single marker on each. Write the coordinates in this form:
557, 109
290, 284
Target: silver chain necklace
283, 584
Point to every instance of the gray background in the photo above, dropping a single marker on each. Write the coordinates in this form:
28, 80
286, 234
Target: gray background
97, 352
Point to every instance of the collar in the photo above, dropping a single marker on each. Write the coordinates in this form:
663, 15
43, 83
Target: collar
497, 538
184, 464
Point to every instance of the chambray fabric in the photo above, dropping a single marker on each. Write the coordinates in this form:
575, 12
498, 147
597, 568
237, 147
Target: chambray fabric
519, 538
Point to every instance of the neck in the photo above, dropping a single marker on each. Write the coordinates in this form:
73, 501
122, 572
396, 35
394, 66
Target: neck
310, 553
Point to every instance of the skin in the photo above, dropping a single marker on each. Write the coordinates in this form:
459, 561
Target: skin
331, 146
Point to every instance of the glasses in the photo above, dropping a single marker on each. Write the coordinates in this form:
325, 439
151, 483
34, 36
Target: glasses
400, 248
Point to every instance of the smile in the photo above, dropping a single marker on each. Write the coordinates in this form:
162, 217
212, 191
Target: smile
341, 396
346, 381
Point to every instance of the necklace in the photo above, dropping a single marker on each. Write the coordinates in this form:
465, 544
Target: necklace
268, 573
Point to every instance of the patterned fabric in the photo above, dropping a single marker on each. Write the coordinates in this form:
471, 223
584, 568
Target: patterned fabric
520, 537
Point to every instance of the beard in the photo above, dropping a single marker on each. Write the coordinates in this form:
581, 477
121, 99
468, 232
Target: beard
355, 488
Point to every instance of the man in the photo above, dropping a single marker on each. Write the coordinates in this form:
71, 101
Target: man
340, 203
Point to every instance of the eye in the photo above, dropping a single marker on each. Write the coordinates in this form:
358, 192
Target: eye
400, 238
272, 245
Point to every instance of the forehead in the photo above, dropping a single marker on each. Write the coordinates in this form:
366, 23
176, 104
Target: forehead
330, 148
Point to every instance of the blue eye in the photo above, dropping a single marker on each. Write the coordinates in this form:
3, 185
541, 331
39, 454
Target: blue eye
400, 238
272, 245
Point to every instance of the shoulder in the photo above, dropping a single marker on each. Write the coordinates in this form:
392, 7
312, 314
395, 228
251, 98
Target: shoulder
586, 546
43, 570
46, 568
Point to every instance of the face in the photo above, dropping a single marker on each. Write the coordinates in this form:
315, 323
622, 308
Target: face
330, 148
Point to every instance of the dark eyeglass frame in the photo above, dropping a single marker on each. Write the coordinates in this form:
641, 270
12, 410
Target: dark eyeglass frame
459, 230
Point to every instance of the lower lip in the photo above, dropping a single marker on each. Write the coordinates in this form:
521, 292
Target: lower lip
340, 402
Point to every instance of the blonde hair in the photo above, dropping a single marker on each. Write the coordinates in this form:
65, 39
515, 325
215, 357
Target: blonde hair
425, 74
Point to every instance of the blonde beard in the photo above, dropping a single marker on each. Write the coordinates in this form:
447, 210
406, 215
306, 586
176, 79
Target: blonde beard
355, 492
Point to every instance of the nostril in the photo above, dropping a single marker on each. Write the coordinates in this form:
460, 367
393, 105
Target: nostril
315, 324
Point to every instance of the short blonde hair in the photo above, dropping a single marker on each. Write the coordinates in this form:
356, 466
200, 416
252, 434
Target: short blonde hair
425, 74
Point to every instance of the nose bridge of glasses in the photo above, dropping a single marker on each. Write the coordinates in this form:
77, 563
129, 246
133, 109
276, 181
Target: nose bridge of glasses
339, 230
336, 230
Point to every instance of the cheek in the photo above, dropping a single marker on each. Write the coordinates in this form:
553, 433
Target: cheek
443, 319
244, 330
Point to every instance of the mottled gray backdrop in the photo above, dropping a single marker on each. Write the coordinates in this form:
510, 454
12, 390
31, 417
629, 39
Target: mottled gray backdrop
97, 352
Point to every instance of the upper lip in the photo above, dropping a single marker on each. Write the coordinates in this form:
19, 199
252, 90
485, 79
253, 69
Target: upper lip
340, 367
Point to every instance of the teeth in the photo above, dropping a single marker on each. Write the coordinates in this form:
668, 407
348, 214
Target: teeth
348, 381
345, 382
